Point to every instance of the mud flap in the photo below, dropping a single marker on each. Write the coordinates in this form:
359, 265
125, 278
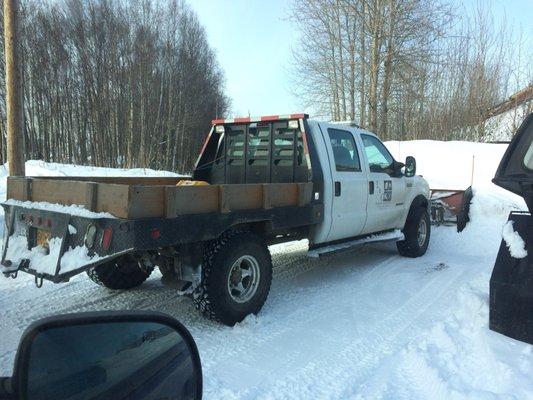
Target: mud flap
511, 286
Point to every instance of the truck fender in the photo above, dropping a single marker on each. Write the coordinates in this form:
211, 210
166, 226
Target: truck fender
419, 201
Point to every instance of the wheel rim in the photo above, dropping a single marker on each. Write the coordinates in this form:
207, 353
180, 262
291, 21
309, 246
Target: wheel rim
243, 279
422, 232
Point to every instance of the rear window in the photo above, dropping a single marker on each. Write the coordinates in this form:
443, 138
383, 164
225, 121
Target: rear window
256, 152
528, 159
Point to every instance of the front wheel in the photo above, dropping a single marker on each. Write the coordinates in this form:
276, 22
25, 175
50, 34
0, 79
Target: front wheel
417, 232
236, 277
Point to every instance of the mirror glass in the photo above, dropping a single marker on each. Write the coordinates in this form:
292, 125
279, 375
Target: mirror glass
410, 166
111, 360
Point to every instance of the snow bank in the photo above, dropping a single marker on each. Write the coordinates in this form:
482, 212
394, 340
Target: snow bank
513, 240
460, 358
455, 165
450, 165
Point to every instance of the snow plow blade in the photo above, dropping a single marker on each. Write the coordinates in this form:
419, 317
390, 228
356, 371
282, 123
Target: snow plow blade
511, 286
451, 207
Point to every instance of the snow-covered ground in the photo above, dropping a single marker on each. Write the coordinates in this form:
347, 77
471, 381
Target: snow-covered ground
356, 325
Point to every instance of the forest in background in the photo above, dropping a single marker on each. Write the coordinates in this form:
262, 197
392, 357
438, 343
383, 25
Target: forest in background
407, 69
123, 83
115, 83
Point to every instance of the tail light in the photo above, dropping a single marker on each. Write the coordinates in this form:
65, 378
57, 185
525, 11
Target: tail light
106, 238
156, 233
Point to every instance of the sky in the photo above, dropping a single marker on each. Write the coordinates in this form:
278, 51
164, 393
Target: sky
255, 39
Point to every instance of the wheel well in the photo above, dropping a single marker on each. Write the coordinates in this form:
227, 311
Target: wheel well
259, 227
265, 230
420, 201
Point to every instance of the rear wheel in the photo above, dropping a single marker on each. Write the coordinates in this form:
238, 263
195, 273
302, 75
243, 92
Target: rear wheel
124, 272
417, 232
236, 277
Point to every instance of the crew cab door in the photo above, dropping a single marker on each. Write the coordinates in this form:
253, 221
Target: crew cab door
387, 187
350, 186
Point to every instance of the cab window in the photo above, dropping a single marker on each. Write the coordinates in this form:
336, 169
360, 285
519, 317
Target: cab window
344, 151
379, 158
528, 159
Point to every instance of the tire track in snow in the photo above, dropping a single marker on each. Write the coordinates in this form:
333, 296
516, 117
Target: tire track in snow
363, 355
295, 307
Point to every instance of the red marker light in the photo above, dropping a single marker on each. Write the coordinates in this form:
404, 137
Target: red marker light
156, 233
106, 238
49, 223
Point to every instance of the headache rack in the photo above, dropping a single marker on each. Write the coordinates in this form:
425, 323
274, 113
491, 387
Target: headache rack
268, 149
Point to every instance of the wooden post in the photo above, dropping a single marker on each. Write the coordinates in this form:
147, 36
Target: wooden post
473, 168
14, 94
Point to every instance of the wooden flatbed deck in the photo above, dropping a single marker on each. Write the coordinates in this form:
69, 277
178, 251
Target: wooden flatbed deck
150, 197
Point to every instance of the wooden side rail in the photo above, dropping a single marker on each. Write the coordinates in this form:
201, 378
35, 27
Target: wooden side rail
144, 201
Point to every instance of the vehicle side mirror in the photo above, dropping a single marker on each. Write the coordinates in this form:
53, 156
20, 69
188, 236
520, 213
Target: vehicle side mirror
107, 355
410, 166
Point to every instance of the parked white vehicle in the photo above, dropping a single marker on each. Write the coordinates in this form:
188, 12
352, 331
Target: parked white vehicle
257, 181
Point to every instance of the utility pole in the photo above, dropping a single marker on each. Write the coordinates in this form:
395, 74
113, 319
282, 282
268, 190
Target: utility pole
14, 95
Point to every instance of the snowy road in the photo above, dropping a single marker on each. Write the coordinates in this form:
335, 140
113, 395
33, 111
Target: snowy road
361, 324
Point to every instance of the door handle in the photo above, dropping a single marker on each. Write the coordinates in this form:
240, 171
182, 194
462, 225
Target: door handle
371, 187
337, 188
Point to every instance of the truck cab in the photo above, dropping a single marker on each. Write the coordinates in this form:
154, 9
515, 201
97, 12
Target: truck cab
365, 190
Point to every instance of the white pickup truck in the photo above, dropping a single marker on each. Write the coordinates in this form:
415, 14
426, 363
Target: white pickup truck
257, 181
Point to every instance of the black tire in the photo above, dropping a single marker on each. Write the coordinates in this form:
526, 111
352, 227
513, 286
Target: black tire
213, 297
412, 246
121, 273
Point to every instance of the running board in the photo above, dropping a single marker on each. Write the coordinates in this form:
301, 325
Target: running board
332, 248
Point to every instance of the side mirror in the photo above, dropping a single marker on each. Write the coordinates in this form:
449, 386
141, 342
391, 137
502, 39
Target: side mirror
107, 355
410, 166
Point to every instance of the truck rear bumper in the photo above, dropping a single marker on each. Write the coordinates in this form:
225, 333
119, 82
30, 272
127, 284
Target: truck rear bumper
53, 245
